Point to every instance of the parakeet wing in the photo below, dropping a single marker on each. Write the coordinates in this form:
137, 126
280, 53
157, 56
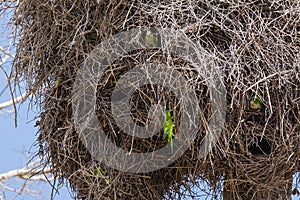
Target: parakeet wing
257, 101
167, 125
166, 131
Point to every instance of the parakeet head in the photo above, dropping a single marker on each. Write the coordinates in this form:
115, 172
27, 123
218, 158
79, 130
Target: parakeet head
151, 37
149, 33
168, 114
256, 103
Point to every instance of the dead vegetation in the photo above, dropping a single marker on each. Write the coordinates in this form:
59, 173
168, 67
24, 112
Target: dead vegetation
256, 46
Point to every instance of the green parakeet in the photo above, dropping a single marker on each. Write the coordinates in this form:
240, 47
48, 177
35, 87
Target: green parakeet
97, 171
256, 103
168, 129
151, 39
57, 82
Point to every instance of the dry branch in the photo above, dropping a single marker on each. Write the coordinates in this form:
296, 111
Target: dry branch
18, 99
29, 172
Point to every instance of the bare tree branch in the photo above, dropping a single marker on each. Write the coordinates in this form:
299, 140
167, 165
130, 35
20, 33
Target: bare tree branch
18, 99
29, 172
3, 1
